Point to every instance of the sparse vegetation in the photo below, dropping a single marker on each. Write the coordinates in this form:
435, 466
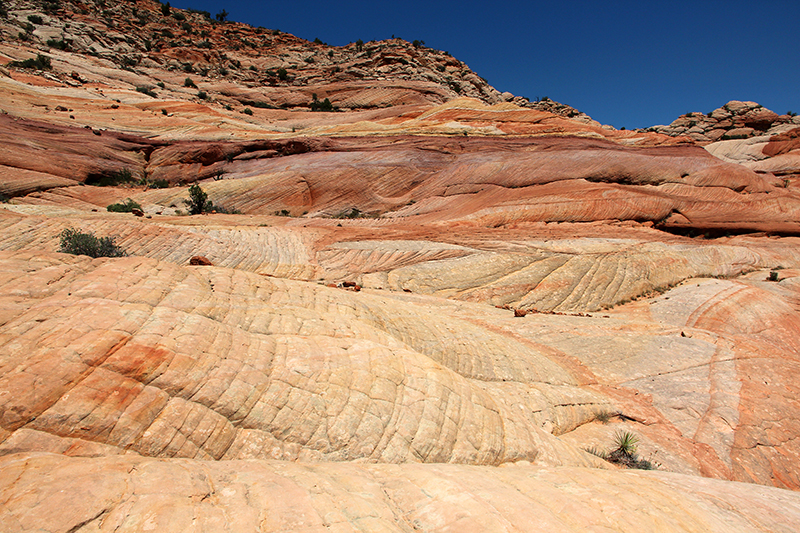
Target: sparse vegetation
773, 276
112, 179
202, 95
222, 16
161, 84
247, 111
282, 74
124, 207
158, 184
41, 62
76, 243
36, 19
624, 454
146, 90
324, 105
604, 416
189, 83
198, 201
165, 9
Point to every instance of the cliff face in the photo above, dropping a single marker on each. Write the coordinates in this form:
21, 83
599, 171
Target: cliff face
432, 273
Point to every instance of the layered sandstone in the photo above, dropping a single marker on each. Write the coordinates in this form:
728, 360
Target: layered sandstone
433, 273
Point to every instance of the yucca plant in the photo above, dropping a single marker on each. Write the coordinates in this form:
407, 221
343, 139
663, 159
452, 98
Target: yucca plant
626, 442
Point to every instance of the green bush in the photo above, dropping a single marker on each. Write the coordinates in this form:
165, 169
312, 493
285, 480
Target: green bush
124, 207
36, 19
282, 74
165, 9
324, 105
161, 84
146, 90
189, 83
202, 95
40, 63
159, 184
198, 201
111, 179
55, 43
247, 111
77, 243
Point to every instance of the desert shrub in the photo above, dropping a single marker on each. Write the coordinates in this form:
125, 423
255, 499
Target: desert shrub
418, 44
76, 243
603, 416
202, 95
257, 103
3, 198
773, 276
227, 210
111, 179
60, 45
198, 201
165, 9
324, 105
282, 74
247, 111
161, 84
124, 207
205, 44
146, 90
40, 63
189, 83
159, 184
625, 452
179, 16
222, 16
36, 19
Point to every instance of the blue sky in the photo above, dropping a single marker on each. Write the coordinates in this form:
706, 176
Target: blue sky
626, 63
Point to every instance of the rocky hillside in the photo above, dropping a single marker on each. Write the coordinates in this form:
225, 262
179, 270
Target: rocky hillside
281, 70
734, 120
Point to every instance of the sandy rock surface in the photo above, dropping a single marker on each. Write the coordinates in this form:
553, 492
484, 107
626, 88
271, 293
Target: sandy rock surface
428, 306
141, 494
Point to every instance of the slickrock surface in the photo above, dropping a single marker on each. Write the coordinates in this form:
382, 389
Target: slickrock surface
59, 494
430, 272
746, 133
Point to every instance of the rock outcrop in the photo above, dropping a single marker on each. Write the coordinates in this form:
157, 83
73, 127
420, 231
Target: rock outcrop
56, 493
734, 120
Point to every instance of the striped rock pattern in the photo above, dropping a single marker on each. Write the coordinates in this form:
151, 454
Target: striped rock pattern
141, 494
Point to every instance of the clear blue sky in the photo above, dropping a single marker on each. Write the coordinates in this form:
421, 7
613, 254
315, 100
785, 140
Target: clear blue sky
626, 63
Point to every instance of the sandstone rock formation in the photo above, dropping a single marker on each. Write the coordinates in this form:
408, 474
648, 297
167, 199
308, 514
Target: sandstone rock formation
734, 120
56, 493
418, 278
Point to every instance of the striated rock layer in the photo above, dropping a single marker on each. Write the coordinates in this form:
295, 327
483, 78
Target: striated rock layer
434, 308
142, 494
